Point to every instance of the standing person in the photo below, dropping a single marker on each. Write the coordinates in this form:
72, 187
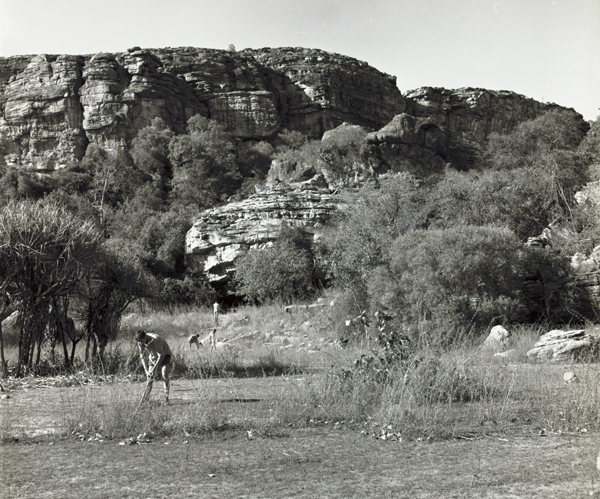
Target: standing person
216, 308
159, 357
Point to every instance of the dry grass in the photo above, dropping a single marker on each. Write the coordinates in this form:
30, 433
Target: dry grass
317, 462
430, 395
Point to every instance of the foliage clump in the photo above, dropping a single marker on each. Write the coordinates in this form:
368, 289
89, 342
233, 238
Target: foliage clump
282, 272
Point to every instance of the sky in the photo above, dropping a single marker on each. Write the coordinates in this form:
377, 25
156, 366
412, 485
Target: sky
548, 50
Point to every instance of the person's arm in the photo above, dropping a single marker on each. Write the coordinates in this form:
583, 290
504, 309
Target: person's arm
157, 363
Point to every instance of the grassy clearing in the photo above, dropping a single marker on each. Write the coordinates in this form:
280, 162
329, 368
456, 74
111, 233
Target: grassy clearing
431, 394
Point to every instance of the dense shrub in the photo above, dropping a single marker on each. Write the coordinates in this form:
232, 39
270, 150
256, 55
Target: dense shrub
550, 293
191, 290
284, 271
522, 200
341, 153
205, 169
453, 278
359, 238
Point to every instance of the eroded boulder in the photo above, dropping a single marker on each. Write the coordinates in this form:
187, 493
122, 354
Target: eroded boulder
564, 346
221, 235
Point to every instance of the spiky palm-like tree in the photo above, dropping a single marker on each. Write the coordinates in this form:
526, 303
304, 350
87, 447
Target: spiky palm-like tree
115, 281
46, 249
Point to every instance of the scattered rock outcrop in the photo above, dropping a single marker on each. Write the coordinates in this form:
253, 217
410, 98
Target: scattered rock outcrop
223, 234
564, 346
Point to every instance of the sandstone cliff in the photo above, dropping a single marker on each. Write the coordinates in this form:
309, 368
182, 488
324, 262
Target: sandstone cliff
52, 107
470, 115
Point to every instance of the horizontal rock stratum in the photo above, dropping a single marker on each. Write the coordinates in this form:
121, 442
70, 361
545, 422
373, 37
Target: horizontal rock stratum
221, 235
53, 106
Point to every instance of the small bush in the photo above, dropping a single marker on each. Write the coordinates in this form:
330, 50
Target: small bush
191, 290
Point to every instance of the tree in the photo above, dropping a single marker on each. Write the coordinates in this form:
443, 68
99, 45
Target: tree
521, 200
342, 151
360, 236
586, 212
48, 249
114, 179
556, 130
547, 148
150, 154
452, 278
294, 154
110, 286
205, 167
19, 184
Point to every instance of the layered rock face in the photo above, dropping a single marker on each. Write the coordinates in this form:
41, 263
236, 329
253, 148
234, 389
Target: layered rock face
123, 93
223, 234
52, 107
319, 90
470, 115
42, 119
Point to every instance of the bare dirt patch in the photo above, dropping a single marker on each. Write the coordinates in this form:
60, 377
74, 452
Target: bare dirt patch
308, 463
244, 460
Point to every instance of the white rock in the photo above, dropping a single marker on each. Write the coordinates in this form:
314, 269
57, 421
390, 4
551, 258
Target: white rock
497, 340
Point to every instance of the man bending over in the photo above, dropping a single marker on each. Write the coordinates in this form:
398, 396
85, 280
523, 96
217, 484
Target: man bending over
159, 357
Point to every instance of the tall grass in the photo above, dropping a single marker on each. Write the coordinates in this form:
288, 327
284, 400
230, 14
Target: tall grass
464, 390
113, 413
431, 393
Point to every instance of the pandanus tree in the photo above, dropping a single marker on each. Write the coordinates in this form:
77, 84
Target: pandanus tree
44, 251
115, 281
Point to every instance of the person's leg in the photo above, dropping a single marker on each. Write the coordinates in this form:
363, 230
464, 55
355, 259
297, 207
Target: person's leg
166, 373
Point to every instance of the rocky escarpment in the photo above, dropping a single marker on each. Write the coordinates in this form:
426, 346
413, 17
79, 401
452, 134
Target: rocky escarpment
221, 235
52, 107
319, 90
408, 143
470, 115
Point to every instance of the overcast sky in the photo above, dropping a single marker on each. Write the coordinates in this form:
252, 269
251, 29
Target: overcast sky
545, 49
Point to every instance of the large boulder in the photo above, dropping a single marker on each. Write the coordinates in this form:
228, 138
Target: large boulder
221, 235
497, 340
565, 346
